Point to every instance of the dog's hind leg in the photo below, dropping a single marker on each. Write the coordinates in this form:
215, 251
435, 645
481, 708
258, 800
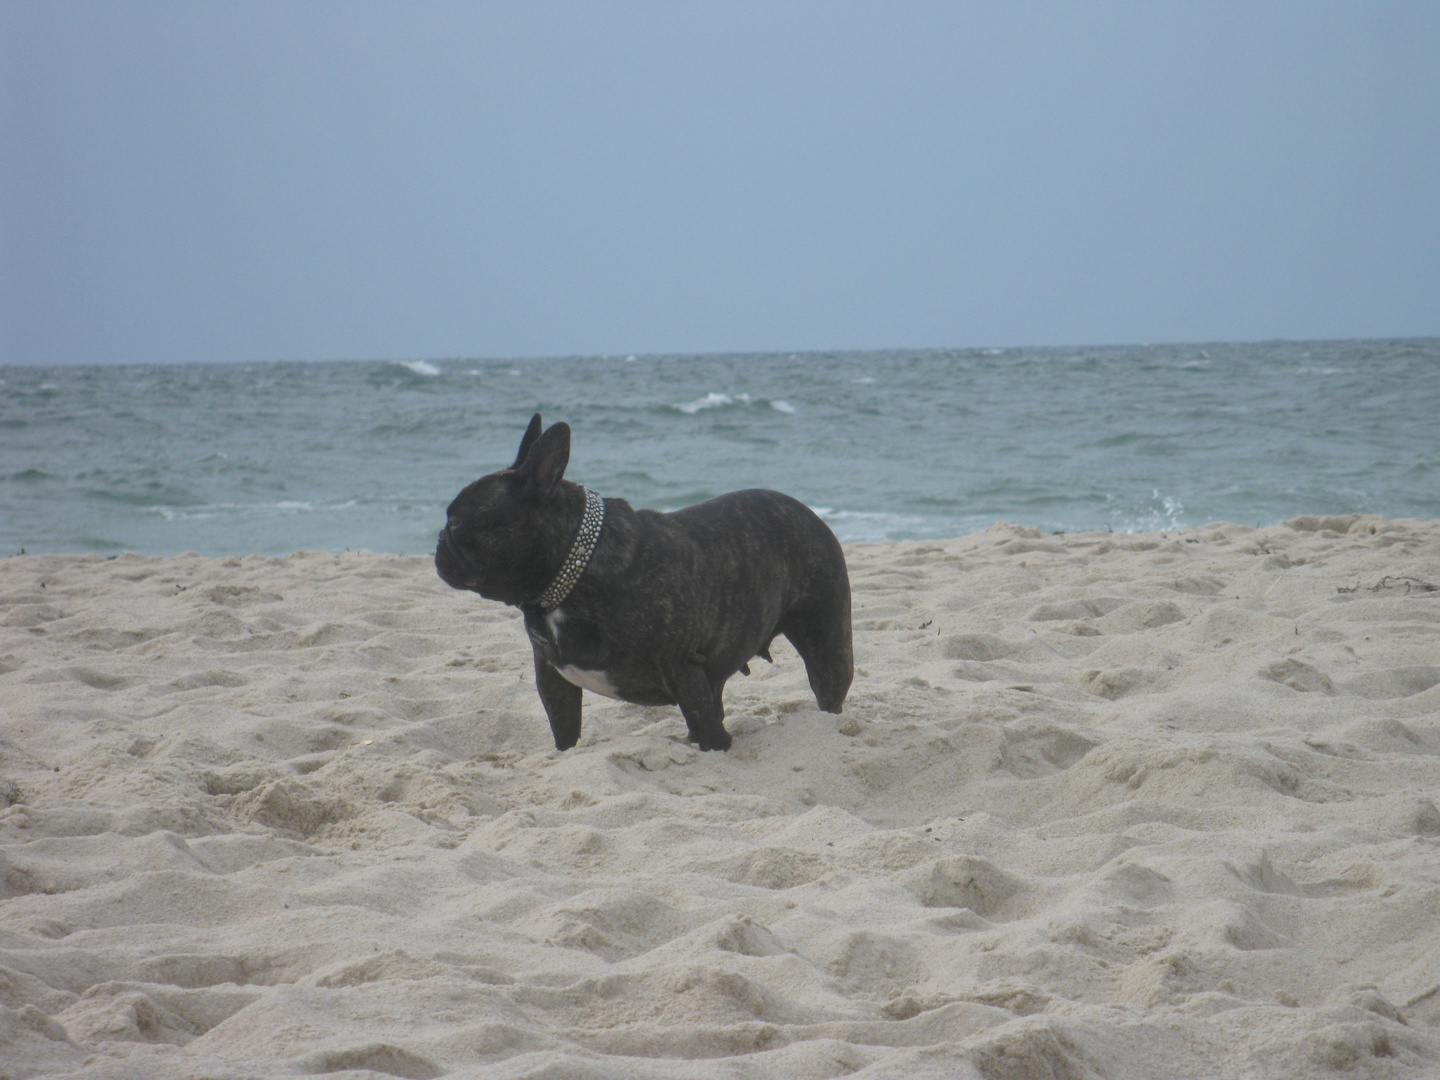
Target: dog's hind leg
821, 635
561, 699
701, 705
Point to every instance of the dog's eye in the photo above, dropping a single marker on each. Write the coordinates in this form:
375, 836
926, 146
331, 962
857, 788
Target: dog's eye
474, 526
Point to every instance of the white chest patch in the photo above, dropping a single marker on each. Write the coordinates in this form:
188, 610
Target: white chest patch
595, 681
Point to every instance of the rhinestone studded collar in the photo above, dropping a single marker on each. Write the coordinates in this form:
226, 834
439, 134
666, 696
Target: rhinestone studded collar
580, 552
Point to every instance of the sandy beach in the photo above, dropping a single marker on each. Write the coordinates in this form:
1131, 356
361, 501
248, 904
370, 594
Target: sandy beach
1099, 806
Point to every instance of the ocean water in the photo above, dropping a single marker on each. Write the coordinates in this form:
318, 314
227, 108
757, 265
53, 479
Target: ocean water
277, 457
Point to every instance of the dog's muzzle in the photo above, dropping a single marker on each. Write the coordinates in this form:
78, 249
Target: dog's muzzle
452, 564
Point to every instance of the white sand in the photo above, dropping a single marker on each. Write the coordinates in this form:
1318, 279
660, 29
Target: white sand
1099, 806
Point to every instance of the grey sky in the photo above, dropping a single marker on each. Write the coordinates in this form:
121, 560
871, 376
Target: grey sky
300, 180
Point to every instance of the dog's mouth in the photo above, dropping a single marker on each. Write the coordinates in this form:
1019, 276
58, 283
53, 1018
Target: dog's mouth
453, 565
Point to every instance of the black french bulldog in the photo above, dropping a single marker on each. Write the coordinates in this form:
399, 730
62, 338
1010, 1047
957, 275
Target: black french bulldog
650, 608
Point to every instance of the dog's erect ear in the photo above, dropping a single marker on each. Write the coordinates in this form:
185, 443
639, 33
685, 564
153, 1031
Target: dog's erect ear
531, 434
545, 463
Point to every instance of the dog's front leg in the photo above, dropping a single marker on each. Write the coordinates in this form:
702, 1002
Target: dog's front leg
561, 699
702, 708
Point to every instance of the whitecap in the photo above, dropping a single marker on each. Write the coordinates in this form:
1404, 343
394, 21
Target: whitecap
711, 400
214, 510
422, 367
194, 513
717, 400
863, 526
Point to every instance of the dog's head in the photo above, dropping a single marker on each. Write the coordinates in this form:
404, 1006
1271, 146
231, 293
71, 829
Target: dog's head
500, 530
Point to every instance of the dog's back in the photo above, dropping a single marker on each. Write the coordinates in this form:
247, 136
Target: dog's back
803, 582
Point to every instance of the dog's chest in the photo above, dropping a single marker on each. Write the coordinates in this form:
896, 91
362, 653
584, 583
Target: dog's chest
552, 640
596, 681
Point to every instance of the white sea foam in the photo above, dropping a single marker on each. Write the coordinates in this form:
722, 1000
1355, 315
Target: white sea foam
214, 510
860, 526
711, 400
1160, 512
420, 367
717, 400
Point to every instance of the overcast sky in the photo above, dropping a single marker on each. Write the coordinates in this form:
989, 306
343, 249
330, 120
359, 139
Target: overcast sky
302, 180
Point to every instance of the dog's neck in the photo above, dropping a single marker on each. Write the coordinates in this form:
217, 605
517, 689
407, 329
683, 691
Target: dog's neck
581, 549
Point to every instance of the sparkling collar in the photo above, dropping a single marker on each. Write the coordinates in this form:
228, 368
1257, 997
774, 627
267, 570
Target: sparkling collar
580, 552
